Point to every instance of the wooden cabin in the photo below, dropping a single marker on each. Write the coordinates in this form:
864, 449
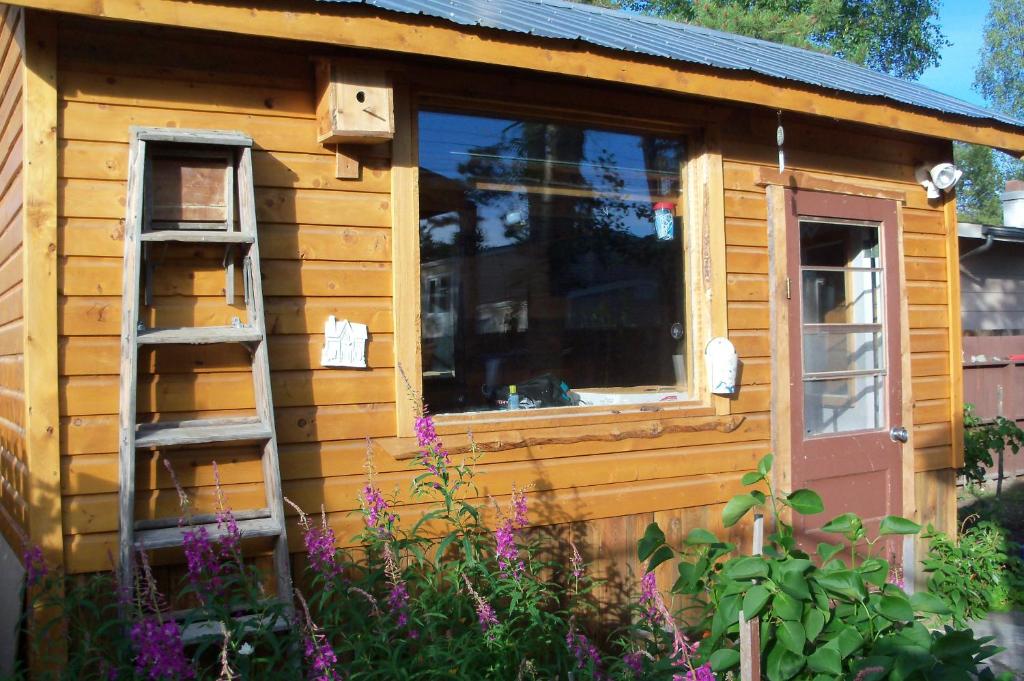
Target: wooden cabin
559, 198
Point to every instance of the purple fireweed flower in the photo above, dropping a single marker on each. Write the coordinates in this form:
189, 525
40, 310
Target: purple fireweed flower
35, 565
484, 612
232, 538
577, 562
375, 510
159, 653
320, 543
634, 663
701, 673
506, 551
650, 598
584, 651
202, 560
320, 657
520, 517
426, 434
433, 456
398, 595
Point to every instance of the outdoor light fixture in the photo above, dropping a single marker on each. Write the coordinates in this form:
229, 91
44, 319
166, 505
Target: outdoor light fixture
938, 178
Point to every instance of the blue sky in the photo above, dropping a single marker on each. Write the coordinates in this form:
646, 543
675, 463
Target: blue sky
963, 23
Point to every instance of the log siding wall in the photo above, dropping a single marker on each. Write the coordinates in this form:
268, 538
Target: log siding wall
327, 250
14, 473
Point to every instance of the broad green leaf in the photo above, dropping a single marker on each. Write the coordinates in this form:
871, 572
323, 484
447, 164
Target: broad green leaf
849, 641
783, 663
751, 478
954, 644
700, 536
785, 607
662, 554
826, 661
895, 608
805, 502
746, 567
843, 582
814, 622
922, 601
875, 571
724, 659
795, 584
649, 543
791, 635
764, 466
826, 551
894, 524
737, 508
843, 524
754, 600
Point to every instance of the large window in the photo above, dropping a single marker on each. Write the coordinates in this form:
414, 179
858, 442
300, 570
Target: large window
551, 260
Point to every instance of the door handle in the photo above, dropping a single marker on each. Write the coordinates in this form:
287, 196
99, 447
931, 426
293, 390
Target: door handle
899, 434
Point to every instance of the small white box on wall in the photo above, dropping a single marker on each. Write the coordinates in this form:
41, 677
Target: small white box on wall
344, 344
722, 363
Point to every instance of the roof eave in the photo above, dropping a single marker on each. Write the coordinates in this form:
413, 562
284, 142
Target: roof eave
359, 26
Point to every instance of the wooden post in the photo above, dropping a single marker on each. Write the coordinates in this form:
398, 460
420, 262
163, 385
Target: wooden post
39, 253
750, 631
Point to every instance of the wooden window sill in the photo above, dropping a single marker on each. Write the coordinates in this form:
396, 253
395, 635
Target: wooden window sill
611, 431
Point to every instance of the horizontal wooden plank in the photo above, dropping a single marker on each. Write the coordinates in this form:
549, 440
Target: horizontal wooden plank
924, 245
929, 364
97, 237
924, 222
87, 395
748, 315
751, 399
89, 552
931, 387
751, 342
101, 355
932, 435
931, 411
12, 338
150, 92
927, 293
747, 288
105, 200
933, 458
929, 340
925, 269
101, 315
928, 316
88, 276
111, 123
747, 205
108, 161
746, 232
98, 434
746, 260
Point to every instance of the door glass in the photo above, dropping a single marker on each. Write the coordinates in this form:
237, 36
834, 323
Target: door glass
843, 335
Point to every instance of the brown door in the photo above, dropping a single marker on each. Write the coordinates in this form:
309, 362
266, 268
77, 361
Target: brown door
845, 358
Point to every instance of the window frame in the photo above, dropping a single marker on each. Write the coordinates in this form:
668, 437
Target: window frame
703, 261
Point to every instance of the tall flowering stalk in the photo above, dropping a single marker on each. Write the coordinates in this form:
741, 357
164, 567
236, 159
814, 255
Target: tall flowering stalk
316, 649
156, 644
35, 565
320, 545
484, 612
585, 652
231, 540
398, 592
433, 456
656, 614
202, 557
506, 549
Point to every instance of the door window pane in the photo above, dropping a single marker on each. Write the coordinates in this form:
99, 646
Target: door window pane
842, 322
550, 259
826, 351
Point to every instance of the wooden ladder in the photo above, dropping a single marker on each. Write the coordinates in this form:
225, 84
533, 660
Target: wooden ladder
140, 234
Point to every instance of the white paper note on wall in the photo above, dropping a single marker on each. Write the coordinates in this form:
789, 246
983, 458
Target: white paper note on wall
344, 344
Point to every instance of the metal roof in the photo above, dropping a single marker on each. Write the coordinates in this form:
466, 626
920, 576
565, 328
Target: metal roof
628, 32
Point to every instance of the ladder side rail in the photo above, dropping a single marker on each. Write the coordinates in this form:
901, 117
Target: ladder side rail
129, 355
261, 372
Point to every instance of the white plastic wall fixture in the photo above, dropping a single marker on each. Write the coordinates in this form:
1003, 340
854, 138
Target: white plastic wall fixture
344, 344
722, 364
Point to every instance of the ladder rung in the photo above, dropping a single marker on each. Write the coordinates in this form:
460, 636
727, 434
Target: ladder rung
197, 335
201, 431
197, 631
167, 537
200, 236
199, 519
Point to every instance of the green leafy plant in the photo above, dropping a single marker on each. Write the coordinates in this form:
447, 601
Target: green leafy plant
982, 439
974, 574
829, 615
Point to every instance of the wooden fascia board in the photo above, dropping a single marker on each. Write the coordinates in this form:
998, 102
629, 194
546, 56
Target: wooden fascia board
366, 28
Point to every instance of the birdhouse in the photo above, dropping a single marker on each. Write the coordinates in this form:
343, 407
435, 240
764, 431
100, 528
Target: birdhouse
354, 105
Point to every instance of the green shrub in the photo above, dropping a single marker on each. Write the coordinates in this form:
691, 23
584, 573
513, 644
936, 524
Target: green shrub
982, 439
831, 615
974, 574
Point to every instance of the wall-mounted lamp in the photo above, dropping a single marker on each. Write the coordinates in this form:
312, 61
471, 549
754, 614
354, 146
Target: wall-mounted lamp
938, 178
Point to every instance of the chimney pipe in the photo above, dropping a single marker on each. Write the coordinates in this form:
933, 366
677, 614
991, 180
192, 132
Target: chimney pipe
1013, 204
